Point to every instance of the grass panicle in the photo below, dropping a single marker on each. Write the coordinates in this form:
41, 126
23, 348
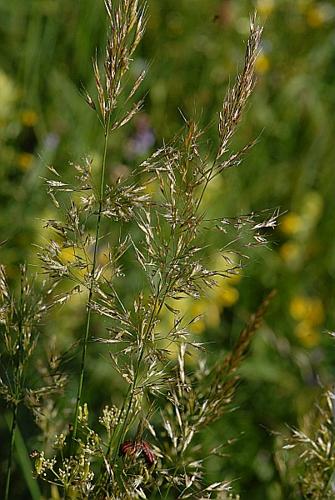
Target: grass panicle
21, 315
306, 461
145, 446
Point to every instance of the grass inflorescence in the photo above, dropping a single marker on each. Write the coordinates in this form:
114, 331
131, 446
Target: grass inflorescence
147, 445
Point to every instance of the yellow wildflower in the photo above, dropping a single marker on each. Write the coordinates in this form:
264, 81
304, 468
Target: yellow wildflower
290, 223
227, 296
315, 16
262, 64
307, 334
29, 118
308, 309
25, 161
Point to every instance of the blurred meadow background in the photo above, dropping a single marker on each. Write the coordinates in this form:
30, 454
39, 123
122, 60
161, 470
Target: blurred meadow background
192, 49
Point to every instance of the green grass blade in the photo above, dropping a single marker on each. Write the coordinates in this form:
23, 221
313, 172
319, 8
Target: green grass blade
25, 463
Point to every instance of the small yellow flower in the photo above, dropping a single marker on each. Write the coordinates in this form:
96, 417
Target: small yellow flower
315, 16
262, 64
307, 308
298, 308
290, 223
265, 7
307, 334
29, 118
25, 161
227, 296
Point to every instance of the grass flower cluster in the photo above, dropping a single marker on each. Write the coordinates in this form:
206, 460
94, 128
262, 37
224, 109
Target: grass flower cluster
307, 460
147, 444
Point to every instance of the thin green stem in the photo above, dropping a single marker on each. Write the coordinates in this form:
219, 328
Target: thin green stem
11, 449
90, 294
18, 390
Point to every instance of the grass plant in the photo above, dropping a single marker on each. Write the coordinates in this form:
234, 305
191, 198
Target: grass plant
147, 444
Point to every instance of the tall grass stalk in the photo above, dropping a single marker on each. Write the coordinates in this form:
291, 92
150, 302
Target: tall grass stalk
163, 229
11, 450
18, 385
90, 293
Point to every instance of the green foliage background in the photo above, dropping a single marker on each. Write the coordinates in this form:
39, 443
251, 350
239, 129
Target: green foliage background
193, 48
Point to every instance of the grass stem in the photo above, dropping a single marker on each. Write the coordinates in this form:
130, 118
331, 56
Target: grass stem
90, 294
11, 450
